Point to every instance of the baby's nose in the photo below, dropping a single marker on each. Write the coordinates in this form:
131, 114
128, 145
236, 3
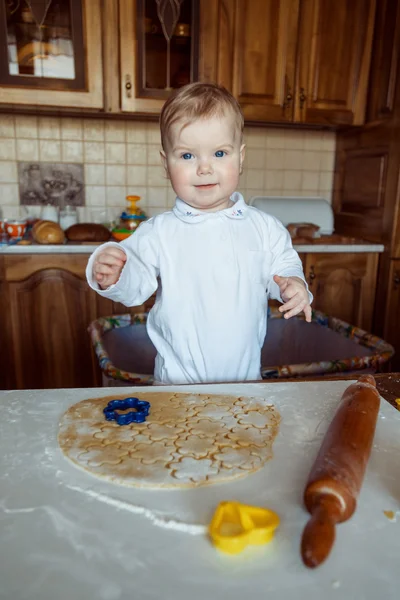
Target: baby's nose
204, 168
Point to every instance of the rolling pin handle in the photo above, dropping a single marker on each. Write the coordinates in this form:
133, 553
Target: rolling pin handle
319, 533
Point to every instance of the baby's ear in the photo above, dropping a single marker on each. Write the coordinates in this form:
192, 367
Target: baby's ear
242, 155
164, 162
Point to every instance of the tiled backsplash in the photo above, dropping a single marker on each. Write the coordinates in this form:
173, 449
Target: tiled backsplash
122, 157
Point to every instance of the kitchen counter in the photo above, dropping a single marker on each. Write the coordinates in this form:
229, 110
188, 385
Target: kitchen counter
66, 534
88, 248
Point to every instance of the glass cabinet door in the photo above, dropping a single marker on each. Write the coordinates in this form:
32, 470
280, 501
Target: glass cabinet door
46, 46
160, 50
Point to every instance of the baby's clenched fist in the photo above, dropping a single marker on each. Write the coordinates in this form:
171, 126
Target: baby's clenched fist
108, 265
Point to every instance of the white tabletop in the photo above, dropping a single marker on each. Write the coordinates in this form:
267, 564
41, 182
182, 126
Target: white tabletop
66, 535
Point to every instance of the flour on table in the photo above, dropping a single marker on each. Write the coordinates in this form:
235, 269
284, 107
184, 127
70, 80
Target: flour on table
187, 440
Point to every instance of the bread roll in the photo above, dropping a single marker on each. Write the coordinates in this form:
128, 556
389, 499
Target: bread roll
48, 232
87, 232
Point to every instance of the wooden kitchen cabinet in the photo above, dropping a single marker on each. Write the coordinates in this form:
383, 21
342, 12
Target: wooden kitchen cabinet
47, 306
385, 62
304, 61
391, 316
158, 44
343, 285
50, 54
249, 46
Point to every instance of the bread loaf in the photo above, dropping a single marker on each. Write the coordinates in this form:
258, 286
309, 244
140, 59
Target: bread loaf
48, 232
88, 232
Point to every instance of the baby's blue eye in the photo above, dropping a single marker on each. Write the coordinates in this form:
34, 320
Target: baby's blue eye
187, 156
220, 153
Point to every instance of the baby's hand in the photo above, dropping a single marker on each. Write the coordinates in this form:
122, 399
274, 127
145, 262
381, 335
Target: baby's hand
108, 266
295, 297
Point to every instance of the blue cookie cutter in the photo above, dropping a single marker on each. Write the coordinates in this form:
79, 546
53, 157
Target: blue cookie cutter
142, 409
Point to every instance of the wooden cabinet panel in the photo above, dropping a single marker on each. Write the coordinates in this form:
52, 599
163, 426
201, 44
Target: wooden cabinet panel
154, 57
69, 38
385, 62
47, 307
250, 47
392, 321
335, 42
49, 313
217, 47
343, 285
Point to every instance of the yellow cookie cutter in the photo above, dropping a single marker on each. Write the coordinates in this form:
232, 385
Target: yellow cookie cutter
235, 526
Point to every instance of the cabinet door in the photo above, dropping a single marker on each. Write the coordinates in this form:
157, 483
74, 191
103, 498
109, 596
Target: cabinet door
392, 321
250, 47
158, 50
343, 285
385, 61
50, 53
335, 43
50, 312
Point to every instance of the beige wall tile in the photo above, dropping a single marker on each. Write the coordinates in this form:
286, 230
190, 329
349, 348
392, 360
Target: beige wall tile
255, 158
156, 177
293, 139
153, 155
313, 140
115, 153
94, 152
9, 194
292, 181
115, 131
8, 172
115, 175
254, 137
293, 160
157, 197
136, 175
7, 149
136, 154
93, 130
273, 180
71, 129
116, 196
327, 161
49, 150
254, 178
326, 181
311, 160
95, 195
275, 139
27, 149
153, 211
136, 132
49, 128
7, 128
153, 134
310, 180
275, 159
26, 127
72, 151
94, 174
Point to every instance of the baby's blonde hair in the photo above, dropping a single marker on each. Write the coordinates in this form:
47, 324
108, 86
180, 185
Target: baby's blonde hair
198, 101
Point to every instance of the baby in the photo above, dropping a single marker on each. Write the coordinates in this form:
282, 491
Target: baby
213, 260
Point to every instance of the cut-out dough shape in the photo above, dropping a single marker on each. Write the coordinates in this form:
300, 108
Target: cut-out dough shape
188, 440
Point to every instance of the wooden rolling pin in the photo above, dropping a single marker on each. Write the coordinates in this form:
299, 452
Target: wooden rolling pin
338, 472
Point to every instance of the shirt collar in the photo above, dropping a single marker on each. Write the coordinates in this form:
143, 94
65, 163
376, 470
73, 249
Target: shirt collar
187, 213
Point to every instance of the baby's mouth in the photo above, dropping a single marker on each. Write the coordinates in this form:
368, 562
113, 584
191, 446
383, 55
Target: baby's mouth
207, 186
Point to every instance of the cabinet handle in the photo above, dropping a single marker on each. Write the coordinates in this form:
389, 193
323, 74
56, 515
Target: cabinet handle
303, 98
396, 279
311, 276
288, 99
128, 86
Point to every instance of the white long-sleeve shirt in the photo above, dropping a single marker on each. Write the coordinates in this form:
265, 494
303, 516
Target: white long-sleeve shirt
209, 320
